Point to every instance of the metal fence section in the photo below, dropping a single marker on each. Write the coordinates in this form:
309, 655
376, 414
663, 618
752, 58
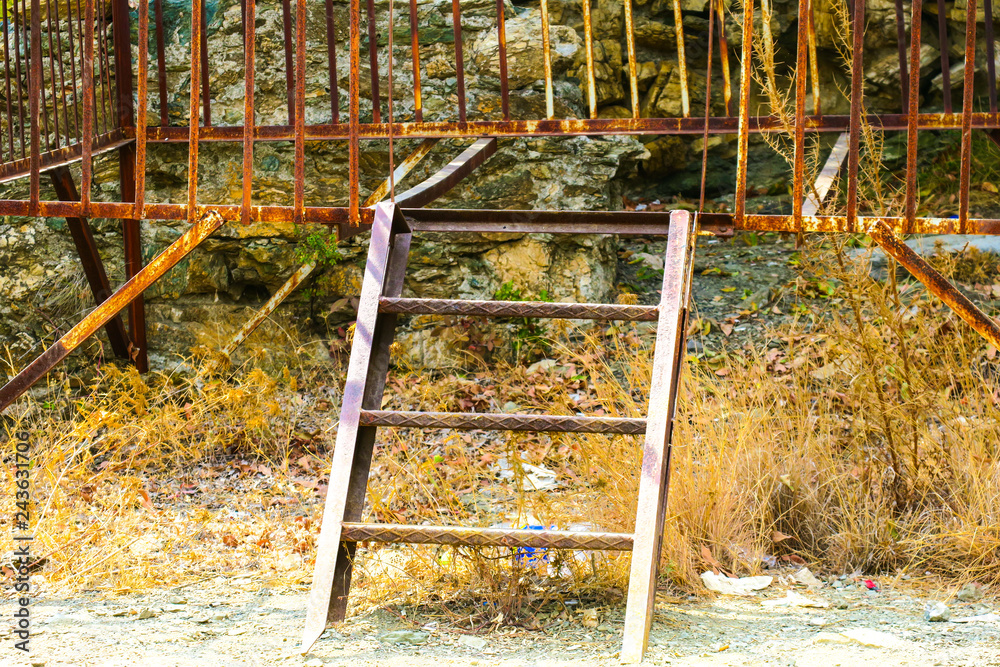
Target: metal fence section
56, 98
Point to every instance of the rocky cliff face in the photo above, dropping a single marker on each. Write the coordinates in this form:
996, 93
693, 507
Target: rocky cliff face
214, 290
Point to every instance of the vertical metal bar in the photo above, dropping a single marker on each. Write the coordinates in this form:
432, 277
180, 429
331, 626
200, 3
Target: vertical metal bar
901, 43
633, 78
682, 58
547, 60
35, 92
373, 63
943, 43
143, 110
708, 106
392, 155
107, 99
502, 44
814, 62
6, 71
727, 89
249, 116
87, 162
161, 64
53, 56
384, 270
121, 34
967, 92
456, 14
331, 56
654, 482
857, 101
911, 117
801, 65
300, 109
17, 76
194, 130
991, 74
418, 110
205, 87
588, 40
354, 131
127, 160
41, 78
286, 16
72, 72
744, 128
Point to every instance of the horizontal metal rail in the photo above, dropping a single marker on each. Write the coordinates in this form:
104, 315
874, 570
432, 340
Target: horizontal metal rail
486, 537
502, 422
573, 311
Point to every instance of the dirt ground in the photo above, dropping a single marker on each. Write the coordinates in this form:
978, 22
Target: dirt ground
238, 622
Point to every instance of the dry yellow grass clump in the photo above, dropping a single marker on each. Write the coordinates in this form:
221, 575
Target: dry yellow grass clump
861, 436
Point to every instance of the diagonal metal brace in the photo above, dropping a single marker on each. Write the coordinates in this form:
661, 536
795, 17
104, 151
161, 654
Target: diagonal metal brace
166, 260
984, 325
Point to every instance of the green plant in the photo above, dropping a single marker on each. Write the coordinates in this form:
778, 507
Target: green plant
319, 246
528, 335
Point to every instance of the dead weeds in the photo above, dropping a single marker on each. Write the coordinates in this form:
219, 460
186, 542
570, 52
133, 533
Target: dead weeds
860, 437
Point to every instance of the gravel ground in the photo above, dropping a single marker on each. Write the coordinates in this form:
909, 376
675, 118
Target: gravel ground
236, 622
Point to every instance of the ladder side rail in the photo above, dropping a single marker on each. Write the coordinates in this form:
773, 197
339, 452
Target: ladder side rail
651, 505
332, 572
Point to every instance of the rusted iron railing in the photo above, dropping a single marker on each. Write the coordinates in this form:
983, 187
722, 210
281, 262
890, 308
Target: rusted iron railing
69, 97
64, 100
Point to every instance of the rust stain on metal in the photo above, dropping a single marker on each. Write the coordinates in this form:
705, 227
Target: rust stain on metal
142, 112
249, 114
456, 14
682, 58
913, 104
588, 45
983, 324
857, 101
373, 63
633, 79
418, 111
300, 109
502, 54
744, 120
967, 90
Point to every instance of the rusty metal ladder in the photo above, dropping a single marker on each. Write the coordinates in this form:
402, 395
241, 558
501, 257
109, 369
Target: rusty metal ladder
360, 417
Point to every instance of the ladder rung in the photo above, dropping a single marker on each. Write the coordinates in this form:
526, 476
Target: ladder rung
573, 311
502, 422
485, 537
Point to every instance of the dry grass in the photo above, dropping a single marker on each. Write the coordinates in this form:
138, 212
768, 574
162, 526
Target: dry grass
862, 436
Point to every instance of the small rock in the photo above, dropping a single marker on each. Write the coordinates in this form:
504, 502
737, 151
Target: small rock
807, 578
412, 637
145, 613
37, 663
970, 592
176, 599
937, 613
472, 641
